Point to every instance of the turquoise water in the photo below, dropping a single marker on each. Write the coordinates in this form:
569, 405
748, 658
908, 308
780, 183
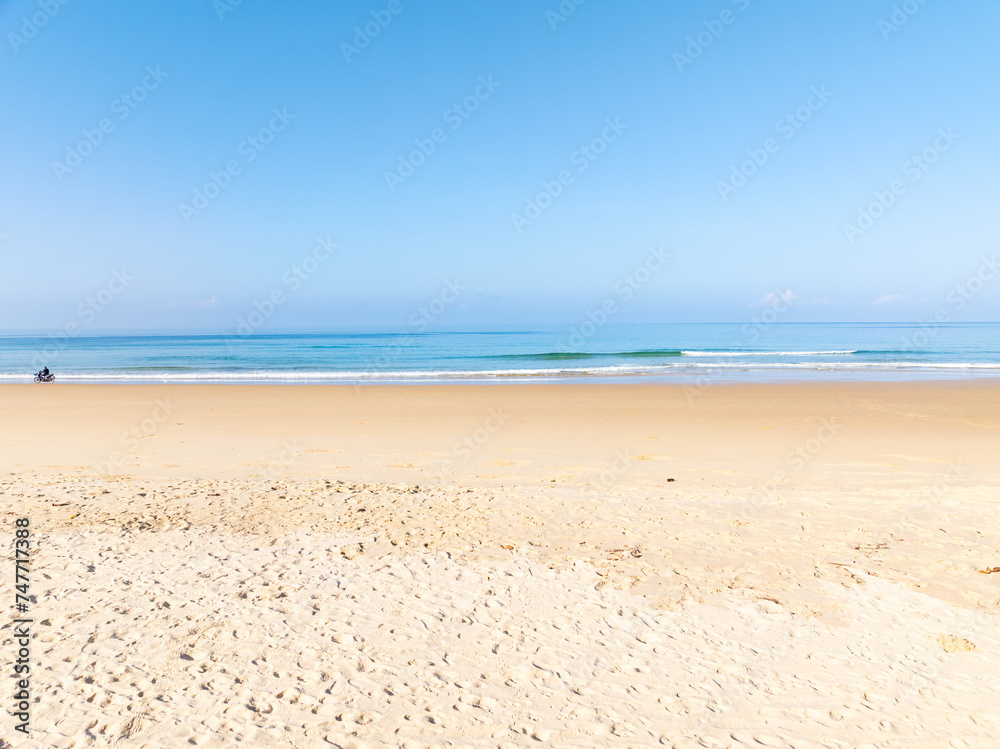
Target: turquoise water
584, 353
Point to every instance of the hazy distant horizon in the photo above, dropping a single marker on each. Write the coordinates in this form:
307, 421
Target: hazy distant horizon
390, 329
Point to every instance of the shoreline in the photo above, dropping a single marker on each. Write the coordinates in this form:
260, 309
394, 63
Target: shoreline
827, 377
720, 376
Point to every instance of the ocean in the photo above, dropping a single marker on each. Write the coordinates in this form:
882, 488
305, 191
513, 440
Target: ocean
580, 353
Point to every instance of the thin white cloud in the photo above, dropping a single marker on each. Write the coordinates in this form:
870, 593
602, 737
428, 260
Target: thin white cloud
213, 302
770, 298
889, 299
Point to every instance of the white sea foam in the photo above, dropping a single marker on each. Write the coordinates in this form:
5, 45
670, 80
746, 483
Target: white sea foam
618, 370
765, 353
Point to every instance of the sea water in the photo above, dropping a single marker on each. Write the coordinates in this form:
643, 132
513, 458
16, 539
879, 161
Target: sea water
612, 352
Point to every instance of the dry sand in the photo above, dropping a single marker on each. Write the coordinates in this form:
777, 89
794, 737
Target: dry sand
509, 566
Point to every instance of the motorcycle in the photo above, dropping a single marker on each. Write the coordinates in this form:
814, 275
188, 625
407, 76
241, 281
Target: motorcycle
47, 378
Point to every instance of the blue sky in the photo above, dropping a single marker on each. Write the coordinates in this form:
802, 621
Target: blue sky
694, 90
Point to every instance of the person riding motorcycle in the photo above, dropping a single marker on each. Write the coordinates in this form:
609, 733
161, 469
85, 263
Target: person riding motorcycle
44, 373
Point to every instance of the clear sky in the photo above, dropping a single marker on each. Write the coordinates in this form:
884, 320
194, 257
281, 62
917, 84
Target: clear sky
643, 119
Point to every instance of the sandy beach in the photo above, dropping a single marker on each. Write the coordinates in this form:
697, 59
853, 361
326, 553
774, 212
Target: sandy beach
793, 565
